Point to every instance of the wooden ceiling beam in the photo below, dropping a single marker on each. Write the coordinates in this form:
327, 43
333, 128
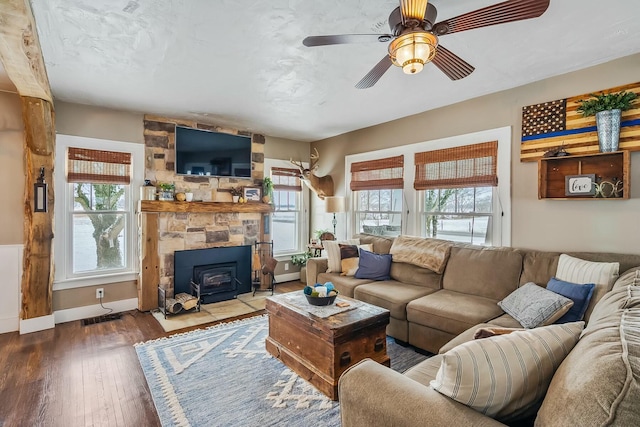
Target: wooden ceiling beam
20, 50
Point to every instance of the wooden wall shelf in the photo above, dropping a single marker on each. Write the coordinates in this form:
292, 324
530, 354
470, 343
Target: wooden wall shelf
203, 207
611, 167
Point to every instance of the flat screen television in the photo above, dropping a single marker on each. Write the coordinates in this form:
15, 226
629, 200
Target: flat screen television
203, 152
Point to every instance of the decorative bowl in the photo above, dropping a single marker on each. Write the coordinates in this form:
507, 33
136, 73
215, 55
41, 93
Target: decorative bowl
321, 300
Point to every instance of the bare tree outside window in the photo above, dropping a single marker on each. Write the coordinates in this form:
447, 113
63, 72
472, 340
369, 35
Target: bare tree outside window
100, 207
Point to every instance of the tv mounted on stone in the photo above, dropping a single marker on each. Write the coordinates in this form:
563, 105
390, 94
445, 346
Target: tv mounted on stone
208, 153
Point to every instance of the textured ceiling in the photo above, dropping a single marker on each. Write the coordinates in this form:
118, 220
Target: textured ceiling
241, 63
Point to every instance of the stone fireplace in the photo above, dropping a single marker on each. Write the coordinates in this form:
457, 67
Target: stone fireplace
210, 221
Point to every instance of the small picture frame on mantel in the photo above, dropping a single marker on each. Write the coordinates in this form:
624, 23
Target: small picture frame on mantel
580, 185
252, 194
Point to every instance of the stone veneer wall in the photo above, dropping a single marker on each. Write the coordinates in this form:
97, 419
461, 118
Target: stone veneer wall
184, 231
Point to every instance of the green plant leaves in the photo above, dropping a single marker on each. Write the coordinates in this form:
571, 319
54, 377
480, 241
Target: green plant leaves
603, 102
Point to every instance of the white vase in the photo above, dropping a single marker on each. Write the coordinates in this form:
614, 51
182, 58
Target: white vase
235, 199
608, 124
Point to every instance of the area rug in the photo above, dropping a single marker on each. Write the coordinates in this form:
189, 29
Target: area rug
223, 376
243, 304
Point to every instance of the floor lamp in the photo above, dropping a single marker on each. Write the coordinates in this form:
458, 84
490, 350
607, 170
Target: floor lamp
335, 205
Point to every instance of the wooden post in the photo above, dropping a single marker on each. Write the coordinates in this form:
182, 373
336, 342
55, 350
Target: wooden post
149, 262
37, 277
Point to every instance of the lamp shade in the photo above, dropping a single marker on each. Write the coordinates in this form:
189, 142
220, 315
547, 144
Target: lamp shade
412, 50
335, 204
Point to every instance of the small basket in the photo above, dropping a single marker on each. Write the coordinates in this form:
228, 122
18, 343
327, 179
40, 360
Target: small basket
320, 300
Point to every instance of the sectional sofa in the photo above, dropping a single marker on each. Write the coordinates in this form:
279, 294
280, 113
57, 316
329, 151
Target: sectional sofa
440, 311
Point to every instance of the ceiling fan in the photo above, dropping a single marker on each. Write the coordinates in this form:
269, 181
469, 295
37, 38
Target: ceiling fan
414, 36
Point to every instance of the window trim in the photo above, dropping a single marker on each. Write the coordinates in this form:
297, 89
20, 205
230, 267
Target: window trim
411, 221
63, 222
303, 214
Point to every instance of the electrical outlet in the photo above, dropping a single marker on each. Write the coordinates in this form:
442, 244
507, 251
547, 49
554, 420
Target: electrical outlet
286, 266
100, 293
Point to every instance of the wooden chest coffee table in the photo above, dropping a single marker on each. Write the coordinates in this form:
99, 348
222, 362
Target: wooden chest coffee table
320, 347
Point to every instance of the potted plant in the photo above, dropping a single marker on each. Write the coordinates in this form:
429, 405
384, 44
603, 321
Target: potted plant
235, 194
301, 261
166, 191
607, 107
267, 190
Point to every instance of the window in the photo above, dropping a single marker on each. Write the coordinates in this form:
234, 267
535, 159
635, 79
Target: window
455, 197
95, 210
459, 214
457, 192
288, 225
377, 188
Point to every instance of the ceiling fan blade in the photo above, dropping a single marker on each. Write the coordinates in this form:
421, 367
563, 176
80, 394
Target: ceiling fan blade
374, 75
508, 11
345, 39
413, 9
451, 64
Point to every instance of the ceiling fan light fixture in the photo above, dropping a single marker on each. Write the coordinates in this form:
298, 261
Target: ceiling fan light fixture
412, 50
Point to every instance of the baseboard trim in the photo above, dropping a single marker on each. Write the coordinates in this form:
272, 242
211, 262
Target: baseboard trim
9, 324
36, 324
77, 313
287, 277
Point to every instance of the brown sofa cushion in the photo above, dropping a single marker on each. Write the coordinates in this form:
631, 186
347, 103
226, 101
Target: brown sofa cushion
451, 311
391, 295
599, 381
487, 272
381, 245
414, 275
540, 266
345, 285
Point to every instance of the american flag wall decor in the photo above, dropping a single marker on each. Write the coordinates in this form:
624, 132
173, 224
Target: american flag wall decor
555, 123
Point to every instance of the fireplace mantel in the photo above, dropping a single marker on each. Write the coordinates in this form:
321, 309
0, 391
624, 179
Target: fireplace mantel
167, 226
203, 207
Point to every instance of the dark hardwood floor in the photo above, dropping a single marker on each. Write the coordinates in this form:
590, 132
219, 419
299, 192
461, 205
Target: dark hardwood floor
75, 375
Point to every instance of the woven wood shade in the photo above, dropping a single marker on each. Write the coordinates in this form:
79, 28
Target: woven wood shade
465, 166
97, 166
285, 179
378, 174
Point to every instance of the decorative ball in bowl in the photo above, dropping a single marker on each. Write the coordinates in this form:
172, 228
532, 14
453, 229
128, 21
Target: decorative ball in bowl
320, 294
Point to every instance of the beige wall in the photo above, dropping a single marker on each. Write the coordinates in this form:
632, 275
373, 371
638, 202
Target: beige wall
98, 122
603, 225
11, 169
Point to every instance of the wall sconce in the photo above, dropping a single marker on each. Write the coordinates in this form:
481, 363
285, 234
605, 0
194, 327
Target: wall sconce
40, 193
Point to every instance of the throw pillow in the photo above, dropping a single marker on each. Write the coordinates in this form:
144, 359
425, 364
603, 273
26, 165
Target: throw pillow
579, 294
534, 306
506, 376
332, 249
350, 258
373, 266
576, 270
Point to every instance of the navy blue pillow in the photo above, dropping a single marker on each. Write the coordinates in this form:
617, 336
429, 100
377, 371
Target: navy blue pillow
580, 294
373, 266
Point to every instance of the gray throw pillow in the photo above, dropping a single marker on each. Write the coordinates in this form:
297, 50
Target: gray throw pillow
534, 306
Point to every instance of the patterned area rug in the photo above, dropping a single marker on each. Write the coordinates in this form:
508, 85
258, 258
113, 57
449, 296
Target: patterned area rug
223, 376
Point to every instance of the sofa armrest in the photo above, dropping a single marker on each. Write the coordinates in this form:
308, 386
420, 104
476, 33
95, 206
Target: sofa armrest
374, 395
316, 266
